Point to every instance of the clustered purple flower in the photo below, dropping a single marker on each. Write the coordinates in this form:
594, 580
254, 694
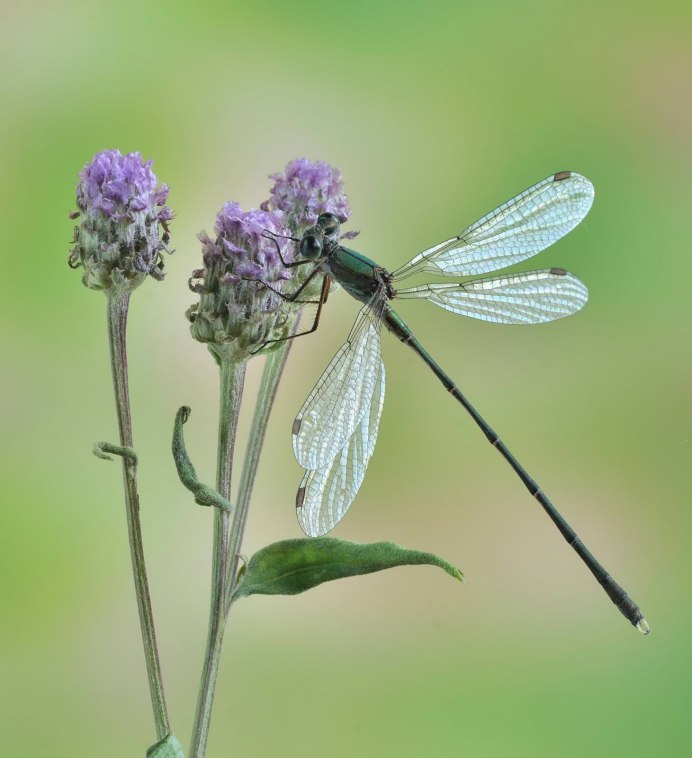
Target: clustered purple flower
123, 231
305, 190
238, 308
123, 226
120, 185
246, 242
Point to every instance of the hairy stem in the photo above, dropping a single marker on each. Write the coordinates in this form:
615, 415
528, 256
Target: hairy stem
117, 326
273, 369
232, 378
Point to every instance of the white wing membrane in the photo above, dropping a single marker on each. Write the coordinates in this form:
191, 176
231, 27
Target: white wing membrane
530, 298
326, 494
518, 229
334, 433
341, 397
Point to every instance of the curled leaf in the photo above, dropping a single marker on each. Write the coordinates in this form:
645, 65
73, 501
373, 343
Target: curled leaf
292, 566
204, 495
101, 450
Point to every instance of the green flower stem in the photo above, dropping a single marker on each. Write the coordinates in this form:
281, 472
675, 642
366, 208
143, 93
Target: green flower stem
232, 378
273, 369
117, 326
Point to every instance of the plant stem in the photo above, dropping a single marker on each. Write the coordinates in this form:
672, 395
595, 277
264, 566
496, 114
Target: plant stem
117, 327
273, 369
232, 378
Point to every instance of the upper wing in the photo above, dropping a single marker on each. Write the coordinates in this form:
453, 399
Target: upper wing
518, 229
529, 298
326, 494
341, 396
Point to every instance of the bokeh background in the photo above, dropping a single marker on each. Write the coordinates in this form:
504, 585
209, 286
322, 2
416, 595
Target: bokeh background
436, 113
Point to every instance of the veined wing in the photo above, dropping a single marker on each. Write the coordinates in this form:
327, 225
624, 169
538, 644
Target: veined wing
341, 396
529, 298
326, 494
518, 229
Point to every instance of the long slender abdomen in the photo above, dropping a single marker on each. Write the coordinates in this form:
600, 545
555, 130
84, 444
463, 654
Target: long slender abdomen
615, 592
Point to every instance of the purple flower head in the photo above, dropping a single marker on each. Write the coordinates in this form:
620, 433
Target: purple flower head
119, 186
246, 243
238, 311
305, 190
124, 222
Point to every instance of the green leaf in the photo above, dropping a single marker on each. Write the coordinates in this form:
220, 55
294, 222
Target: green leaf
292, 566
169, 747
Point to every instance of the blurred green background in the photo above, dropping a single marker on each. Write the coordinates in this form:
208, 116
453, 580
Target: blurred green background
436, 113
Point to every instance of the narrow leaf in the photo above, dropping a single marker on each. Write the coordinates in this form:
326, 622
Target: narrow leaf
292, 566
169, 747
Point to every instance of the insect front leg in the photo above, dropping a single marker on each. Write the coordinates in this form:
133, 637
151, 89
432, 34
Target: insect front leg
286, 264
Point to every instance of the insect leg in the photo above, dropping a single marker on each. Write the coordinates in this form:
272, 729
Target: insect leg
293, 296
323, 299
286, 264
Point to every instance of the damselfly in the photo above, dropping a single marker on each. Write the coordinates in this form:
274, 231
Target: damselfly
335, 431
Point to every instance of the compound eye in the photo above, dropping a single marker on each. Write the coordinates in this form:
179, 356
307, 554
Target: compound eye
311, 246
329, 222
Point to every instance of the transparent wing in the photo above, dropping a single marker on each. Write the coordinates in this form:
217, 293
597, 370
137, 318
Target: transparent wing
518, 229
341, 396
529, 298
326, 494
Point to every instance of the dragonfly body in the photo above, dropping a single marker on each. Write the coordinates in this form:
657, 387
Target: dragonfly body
335, 431
358, 275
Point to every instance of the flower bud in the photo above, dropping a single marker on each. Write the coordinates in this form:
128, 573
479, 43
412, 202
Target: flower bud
238, 311
301, 193
304, 191
123, 222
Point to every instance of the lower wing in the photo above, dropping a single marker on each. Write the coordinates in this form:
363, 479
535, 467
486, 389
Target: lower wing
326, 494
529, 298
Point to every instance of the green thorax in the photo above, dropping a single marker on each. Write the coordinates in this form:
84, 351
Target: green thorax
358, 275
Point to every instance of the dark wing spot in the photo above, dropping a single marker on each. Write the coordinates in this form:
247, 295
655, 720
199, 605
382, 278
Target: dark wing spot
296, 426
562, 175
300, 497
558, 271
